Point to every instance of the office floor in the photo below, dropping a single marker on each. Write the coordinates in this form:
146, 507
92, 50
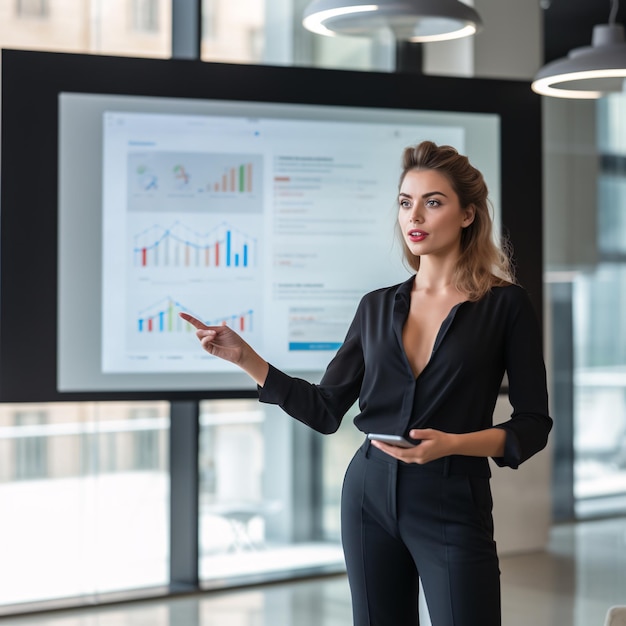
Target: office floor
582, 573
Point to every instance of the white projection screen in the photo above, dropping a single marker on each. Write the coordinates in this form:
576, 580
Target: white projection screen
237, 205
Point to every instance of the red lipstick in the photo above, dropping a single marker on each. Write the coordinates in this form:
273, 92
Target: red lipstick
417, 235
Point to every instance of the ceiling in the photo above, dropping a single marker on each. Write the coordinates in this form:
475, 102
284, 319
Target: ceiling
568, 23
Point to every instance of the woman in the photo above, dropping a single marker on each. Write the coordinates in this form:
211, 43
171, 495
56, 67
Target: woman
426, 360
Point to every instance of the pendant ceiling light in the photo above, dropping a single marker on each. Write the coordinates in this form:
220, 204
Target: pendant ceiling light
589, 72
409, 20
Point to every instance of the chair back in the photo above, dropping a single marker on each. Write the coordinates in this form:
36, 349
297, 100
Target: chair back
616, 616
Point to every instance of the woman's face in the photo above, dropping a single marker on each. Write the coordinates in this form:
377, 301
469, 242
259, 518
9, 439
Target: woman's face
430, 215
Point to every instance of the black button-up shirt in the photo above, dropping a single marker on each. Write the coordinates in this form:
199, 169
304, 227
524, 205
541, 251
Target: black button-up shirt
457, 390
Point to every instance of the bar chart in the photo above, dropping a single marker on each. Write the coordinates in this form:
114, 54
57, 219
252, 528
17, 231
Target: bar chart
162, 317
178, 245
202, 181
237, 179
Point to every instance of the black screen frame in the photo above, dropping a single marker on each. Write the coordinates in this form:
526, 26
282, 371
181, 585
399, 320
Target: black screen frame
31, 84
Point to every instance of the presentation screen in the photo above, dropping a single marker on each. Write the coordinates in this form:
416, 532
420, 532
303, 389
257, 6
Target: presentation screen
272, 219
241, 208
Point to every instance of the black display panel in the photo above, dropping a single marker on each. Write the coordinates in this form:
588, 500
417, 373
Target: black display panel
261, 196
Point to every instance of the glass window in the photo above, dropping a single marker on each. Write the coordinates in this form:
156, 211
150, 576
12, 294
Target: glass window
119, 27
599, 315
84, 485
258, 502
271, 32
140, 28
145, 16
32, 8
84, 495
147, 449
600, 390
337, 451
209, 20
31, 451
612, 217
233, 31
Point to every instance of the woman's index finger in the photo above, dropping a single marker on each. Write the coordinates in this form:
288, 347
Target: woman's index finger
193, 321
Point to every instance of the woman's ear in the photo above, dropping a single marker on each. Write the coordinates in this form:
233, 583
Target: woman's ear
469, 213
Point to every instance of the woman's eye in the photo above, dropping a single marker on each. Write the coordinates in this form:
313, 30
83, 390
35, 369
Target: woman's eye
431, 202
405, 204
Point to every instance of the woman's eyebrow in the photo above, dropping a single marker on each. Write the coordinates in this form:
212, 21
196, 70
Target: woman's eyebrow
428, 194
433, 193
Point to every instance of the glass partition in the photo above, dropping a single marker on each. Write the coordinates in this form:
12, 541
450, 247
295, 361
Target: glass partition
599, 314
337, 451
84, 495
258, 496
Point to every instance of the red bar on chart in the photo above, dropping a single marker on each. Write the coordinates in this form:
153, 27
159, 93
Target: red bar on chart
217, 253
144, 257
149, 324
249, 177
241, 323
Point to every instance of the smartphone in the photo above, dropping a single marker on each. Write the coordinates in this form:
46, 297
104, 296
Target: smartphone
394, 440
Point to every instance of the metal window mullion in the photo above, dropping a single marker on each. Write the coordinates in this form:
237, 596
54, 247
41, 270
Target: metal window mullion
186, 29
562, 399
185, 415
184, 491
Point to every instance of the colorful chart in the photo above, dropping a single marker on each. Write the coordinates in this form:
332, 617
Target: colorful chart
180, 246
162, 317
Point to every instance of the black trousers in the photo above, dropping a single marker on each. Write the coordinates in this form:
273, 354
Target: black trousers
404, 521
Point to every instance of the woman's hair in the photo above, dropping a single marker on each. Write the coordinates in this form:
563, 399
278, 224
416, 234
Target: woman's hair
482, 263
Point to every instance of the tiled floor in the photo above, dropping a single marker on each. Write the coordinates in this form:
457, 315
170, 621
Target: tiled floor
574, 582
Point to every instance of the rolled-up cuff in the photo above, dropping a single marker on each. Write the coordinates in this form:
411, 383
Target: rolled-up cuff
512, 456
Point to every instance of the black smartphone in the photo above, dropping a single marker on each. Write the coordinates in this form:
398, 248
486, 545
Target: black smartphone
394, 440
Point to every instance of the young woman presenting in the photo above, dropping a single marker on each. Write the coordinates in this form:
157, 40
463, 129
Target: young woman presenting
425, 359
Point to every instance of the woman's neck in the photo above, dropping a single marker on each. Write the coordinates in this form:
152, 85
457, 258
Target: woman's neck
435, 275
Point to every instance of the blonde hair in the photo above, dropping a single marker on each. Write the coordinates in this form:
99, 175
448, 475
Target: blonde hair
482, 263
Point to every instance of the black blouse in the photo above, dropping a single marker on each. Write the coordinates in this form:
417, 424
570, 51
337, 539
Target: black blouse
457, 390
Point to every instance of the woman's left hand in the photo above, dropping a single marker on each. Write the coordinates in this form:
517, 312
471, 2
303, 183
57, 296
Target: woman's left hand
433, 445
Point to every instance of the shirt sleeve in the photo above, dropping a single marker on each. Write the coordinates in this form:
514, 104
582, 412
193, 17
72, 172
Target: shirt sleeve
528, 428
321, 406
